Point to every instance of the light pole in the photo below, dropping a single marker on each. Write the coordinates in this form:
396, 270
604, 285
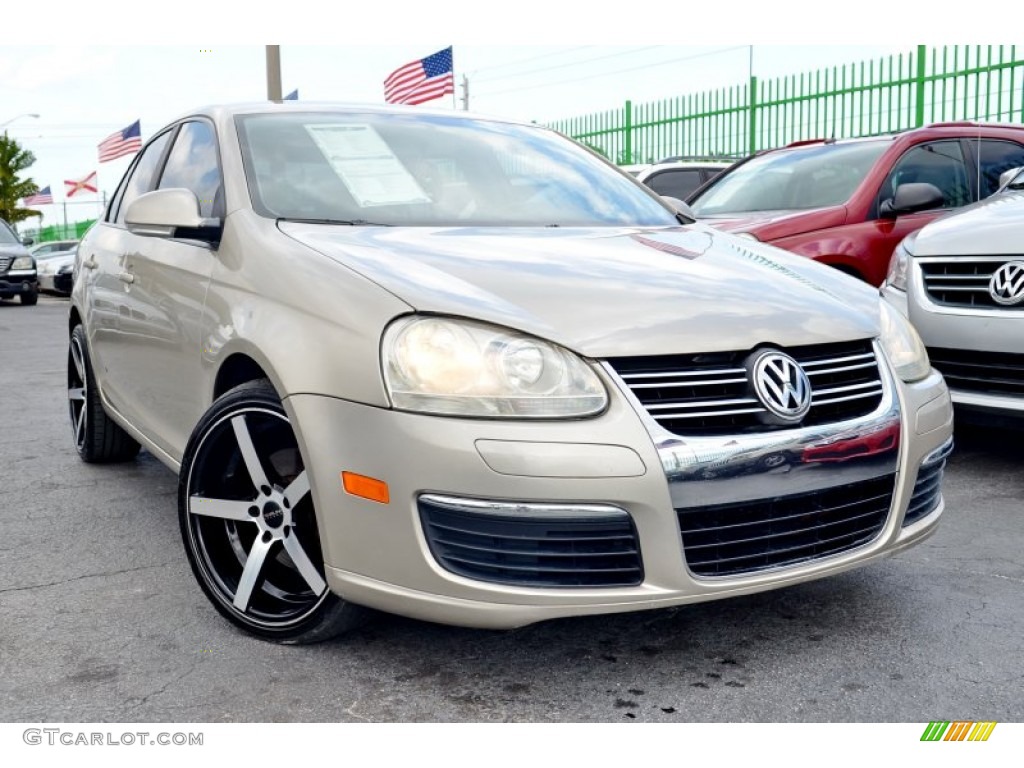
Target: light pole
16, 117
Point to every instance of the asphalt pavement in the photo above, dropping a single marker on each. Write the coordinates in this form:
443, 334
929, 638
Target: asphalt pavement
102, 620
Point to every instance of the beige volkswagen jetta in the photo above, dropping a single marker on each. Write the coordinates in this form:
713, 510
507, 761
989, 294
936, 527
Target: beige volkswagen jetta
465, 370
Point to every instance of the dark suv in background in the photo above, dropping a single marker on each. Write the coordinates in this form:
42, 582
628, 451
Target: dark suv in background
848, 203
17, 268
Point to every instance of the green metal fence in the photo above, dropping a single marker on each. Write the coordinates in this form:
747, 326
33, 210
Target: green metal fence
71, 231
983, 83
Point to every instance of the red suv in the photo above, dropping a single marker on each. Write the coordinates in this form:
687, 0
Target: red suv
848, 203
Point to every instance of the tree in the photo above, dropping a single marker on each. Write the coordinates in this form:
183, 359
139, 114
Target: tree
14, 160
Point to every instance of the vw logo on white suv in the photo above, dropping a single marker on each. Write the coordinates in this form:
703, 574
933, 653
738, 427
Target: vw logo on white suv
782, 386
1007, 284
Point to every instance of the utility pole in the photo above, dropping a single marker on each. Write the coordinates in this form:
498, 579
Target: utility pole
273, 72
465, 93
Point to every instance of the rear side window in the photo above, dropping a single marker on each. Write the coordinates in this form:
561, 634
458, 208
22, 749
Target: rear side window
192, 164
994, 158
676, 183
141, 179
940, 163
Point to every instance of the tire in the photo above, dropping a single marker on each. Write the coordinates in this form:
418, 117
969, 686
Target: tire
98, 439
31, 298
249, 526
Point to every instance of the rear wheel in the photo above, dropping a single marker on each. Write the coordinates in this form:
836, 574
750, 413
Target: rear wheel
248, 522
97, 438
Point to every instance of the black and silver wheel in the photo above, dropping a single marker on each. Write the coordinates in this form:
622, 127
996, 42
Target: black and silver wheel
30, 298
97, 438
248, 522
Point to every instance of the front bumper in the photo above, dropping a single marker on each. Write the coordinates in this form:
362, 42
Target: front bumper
16, 283
377, 554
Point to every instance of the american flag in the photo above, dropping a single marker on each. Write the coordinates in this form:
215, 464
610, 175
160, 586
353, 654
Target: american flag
72, 187
42, 197
121, 143
421, 80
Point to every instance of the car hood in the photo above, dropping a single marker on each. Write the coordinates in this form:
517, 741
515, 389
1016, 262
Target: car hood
990, 227
607, 292
774, 225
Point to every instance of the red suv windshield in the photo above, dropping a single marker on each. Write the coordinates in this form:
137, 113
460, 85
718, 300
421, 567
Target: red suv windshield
792, 179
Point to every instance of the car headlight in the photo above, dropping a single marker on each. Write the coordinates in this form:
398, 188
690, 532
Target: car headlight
22, 262
464, 368
898, 266
902, 345
66, 269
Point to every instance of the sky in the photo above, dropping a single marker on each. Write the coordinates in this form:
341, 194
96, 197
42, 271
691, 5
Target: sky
528, 61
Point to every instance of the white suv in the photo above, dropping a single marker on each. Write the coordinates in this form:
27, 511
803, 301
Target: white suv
960, 280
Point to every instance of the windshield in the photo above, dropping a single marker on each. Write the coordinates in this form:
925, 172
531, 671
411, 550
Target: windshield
422, 170
7, 237
791, 179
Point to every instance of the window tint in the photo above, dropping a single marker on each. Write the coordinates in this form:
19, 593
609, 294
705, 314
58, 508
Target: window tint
678, 184
995, 158
940, 163
192, 164
141, 180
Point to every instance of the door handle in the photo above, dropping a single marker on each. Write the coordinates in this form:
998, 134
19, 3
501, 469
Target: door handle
91, 262
126, 277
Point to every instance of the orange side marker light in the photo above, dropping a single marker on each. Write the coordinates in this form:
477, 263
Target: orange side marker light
365, 487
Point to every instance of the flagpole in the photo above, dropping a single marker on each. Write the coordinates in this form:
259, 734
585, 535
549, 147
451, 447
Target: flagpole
65, 234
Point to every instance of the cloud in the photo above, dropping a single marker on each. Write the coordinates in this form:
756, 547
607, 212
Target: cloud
58, 66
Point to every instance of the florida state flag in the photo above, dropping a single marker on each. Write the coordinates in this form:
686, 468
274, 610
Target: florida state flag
88, 184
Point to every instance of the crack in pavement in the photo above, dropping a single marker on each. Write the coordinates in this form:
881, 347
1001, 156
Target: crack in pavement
86, 576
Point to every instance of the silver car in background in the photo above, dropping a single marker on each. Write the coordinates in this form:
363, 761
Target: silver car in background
960, 280
464, 370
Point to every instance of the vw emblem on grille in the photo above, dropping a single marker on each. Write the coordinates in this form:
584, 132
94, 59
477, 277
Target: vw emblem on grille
1007, 284
781, 384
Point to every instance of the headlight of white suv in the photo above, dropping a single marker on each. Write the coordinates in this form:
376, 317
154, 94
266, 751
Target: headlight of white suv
464, 368
902, 345
22, 262
898, 266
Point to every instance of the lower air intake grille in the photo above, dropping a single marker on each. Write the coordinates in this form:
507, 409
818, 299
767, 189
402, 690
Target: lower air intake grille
928, 488
730, 539
997, 373
532, 545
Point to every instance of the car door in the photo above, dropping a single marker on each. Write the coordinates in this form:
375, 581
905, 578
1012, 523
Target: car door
166, 280
940, 163
104, 296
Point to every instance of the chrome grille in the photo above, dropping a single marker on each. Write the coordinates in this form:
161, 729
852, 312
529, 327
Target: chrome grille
711, 393
5, 262
963, 281
745, 537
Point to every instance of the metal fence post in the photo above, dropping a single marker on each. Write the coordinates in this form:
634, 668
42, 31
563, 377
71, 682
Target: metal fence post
919, 84
752, 107
628, 144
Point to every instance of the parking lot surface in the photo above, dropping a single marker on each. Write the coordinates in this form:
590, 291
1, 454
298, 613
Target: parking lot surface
102, 620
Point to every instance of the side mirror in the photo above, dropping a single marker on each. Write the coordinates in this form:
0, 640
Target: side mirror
680, 207
27, 241
170, 213
1007, 176
910, 198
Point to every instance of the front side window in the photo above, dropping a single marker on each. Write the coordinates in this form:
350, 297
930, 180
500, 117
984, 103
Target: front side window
800, 178
141, 179
940, 163
995, 158
192, 164
422, 170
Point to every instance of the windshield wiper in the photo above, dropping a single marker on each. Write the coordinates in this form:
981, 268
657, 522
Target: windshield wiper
350, 222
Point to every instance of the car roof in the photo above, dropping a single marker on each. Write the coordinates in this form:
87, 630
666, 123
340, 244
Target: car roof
227, 111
